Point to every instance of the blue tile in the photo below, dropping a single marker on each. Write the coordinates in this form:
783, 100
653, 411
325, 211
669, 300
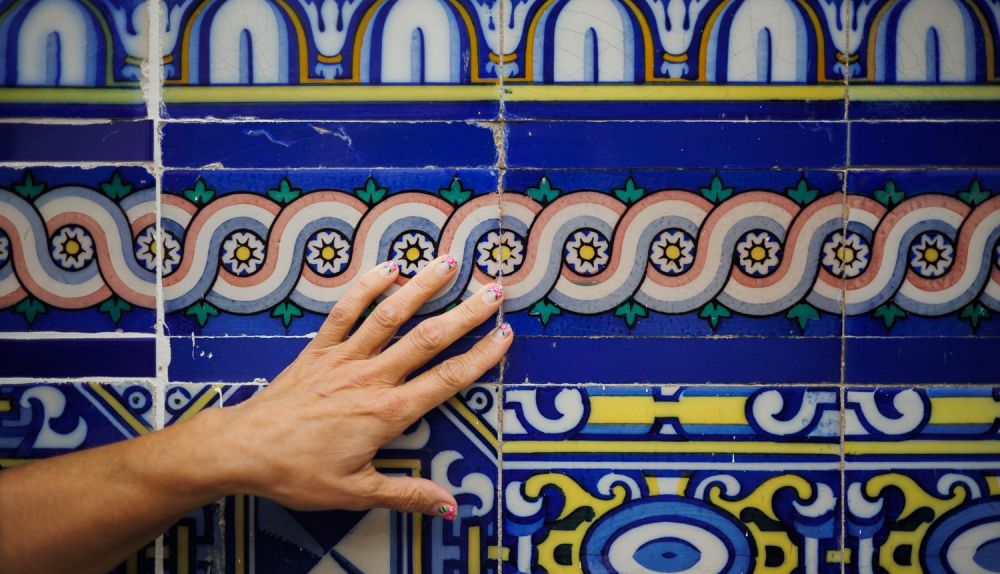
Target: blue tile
361, 110
941, 110
924, 144
78, 249
120, 141
78, 357
712, 145
921, 360
288, 145
671, 109
669, 360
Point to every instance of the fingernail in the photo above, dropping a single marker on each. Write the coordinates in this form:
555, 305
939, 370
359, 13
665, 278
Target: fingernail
493, 293
446, 511
446, 265
389, 267
502, 332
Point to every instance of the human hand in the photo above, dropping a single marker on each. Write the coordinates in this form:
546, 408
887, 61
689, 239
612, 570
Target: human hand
307, 440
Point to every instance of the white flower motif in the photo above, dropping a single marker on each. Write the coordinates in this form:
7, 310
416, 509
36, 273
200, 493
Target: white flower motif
4, 249
327, 252
412, 251
931, 255
147, 247
243, 253
759, 253
846, 256
73, 247
500, 253
587, 252
673, 252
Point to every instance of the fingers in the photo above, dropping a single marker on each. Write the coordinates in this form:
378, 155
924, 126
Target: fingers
348, 310
408, 494
390, 314
433, 335
437, 385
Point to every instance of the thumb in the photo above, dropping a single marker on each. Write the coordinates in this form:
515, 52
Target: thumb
408, 494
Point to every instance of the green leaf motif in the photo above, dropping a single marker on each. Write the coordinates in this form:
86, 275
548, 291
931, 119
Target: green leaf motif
631, 311
975, 313
803, 313
201, 311
802, 194
889, 313
28, 189
630, 193
544, 310
285, 193
714, 313
544, 193
115, 307
288, 312
371, 193
200, 194
116, 188
716, 192
31, 308
975, 194
455, 194
889, 196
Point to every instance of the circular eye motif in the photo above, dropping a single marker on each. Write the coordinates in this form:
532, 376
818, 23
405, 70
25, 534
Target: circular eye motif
499, 252
931, 254
758, 253
243, 253
412, 251
666, 534
479, 400
72, 247
4, 249
177, 399
138, 398
586, 252
845, 255
327, 252
147, 247
672, 253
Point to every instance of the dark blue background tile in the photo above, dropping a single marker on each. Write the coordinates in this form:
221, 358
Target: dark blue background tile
714, 145
122, 141
920, 144
78, 357
286, 145
921, 360
671, 109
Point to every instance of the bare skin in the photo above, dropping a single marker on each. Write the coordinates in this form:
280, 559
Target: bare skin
306, 441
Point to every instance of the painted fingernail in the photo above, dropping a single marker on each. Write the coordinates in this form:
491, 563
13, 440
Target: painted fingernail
502, 332
389, 267
493, 293
446, 511
446, 265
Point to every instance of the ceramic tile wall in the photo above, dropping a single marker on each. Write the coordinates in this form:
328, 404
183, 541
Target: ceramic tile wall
751, 251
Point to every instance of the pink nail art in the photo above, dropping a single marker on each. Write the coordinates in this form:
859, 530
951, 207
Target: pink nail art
450, 261
390, 267
496, 291
504, 331
447, 511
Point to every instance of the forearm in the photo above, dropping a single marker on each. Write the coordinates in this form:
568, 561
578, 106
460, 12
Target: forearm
90, 510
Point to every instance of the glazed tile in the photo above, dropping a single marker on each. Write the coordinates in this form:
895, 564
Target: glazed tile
917, 144
40, 420
289, 281
418, 59
709, 145
922, 478
77, 249
614, 479
78, 357
312, 145
73, 59
118, 141
454, 445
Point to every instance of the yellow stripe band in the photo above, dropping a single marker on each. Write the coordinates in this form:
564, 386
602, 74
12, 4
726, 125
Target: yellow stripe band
24, 95
327, 94
119, 408
668, 447
925, 447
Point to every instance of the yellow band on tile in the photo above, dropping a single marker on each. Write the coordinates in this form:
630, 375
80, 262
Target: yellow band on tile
122, 95
667, 447
963, 410
331, 94
689, 410
924, 447
871, 92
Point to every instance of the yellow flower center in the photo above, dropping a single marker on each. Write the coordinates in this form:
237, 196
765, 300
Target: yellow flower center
931, 255
672, 252
587, 253
72, 247
242, 253
153, 247
758, 253
845, 254
500, 253
328, 253
413, 254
